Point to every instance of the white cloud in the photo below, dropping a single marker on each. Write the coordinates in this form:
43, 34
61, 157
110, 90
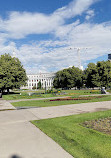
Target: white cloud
53, 55
76, 7
20, 24
96, 36
90, 14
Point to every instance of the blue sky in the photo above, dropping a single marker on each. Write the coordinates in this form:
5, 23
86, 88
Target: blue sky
42, 32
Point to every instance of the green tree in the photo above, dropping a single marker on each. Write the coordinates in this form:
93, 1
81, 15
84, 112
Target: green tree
104, 71
39, 85
91, 76
77, 76
63, 79
98, 75
68, 78
12, 73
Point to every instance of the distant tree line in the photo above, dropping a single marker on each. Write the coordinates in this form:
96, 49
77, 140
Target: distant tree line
95, 75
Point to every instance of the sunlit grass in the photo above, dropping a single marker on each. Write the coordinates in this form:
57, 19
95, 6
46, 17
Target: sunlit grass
41, 94
79, 141
46, 103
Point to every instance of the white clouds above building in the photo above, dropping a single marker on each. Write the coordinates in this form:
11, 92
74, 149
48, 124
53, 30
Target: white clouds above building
52, 54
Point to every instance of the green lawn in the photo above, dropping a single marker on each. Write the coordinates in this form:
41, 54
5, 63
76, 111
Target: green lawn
79, 141
25, 95
45, 103
41, 94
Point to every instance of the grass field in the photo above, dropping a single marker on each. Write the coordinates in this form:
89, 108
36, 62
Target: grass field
79, 141
46, 103
41, 94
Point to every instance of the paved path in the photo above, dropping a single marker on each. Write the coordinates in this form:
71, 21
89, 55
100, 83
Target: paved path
26, 141
5, 105
19, 137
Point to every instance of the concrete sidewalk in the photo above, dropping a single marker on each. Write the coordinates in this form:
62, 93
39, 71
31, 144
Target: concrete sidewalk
5, 105
24, 140
51, 112
19, 137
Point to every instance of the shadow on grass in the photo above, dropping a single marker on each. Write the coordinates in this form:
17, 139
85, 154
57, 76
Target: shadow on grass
6, 93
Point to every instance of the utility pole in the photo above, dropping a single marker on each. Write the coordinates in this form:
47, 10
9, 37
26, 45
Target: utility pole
13, 54
79, 57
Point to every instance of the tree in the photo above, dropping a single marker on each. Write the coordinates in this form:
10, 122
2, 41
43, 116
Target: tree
91, 76
104, 71
39, 85
77, 76
98, 75
68, 78
12, 73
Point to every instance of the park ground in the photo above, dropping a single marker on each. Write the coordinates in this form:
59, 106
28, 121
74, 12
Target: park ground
71, 126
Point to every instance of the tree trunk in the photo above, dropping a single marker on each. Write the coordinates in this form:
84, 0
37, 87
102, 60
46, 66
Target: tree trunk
8, 90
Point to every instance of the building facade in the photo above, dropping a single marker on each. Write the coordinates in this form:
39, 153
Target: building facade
46, 80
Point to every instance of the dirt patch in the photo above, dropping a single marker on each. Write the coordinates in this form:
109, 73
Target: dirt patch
101, 125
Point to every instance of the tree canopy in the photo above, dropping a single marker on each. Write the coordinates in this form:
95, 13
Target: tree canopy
39, 85
95, 75
68, 78
98, 75
12, 73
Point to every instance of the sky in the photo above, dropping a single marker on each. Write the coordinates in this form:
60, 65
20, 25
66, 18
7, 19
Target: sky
46, 34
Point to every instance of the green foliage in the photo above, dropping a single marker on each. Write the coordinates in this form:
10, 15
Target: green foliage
98, 75
91, 76
95, 75
95, 91
12, 73
50, 91
69, 78
39, 85
104, 71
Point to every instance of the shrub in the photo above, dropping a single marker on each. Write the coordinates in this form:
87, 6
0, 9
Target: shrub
95, 91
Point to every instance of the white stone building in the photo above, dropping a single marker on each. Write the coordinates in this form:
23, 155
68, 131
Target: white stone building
46, 80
